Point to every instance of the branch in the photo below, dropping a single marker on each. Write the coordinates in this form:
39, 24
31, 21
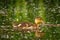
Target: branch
52, 25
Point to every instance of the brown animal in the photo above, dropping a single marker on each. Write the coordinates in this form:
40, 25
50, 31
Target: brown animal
27, 26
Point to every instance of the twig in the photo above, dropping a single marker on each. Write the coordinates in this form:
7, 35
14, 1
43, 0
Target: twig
52, 25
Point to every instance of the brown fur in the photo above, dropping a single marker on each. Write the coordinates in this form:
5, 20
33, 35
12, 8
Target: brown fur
38, 21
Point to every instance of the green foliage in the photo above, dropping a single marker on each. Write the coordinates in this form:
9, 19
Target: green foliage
27, 10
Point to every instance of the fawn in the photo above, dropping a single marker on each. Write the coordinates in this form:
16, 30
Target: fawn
27, 25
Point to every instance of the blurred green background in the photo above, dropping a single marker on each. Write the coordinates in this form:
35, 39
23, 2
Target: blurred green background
27, 10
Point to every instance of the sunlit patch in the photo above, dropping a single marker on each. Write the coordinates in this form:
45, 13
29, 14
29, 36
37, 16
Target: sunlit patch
19, 25
23, 27
28, 31
17, 19
31, 27
14, 26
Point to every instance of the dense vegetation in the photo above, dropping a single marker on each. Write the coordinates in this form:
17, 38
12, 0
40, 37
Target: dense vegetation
27, 10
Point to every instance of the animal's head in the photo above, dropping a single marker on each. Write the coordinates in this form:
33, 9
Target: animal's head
38, 20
